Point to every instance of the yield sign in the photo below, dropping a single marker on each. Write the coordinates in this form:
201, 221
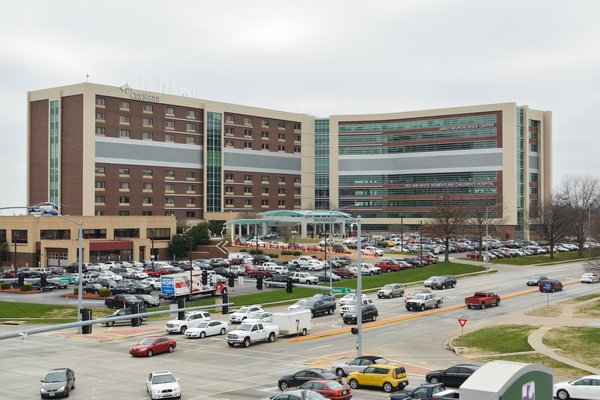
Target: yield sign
462, 322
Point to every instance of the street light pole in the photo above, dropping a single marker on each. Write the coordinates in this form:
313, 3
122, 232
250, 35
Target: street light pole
359, 289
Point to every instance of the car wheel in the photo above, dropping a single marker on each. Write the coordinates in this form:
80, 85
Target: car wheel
340, 372
563, 394
271, 337
247, 342
223, 331
183, 329
304, 332
443, 286
401, 294
330, 311
388, 270
497, 303
202, 335
353, 383
482, 306
111, 323
149, 353
283, 385
422, 307
171, 348
67, 392
374, 317
387, 387
371, 273
438, 304
434, 379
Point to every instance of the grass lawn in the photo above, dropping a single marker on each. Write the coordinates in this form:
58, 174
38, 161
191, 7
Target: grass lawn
547, 311
578, 343
497, 339
557, 366
538, 259
586, 297
590, 310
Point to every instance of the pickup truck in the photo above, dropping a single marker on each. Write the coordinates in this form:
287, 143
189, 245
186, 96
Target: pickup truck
122, 301
421, 301
388, 266
189, 319
302, 260
482, 299
304, 277
430, 391
248, 333
316, 306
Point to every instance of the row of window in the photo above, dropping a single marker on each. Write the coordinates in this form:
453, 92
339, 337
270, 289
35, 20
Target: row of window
247, 121
248, 133
449, 177
125, 200
147, 173
229, 177
483, 144
169, 187
263, 146
264, 190
451, 122
264, 203
125, 105
125, 213
21, 235
126, 133
146, 122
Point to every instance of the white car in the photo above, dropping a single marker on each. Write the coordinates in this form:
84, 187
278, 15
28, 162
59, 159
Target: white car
138, 274
163, 385
350, 297
587, 387
372, 250
154, 283
366, 269
260, 316
590, 277
206, 328
241, 314
314, 265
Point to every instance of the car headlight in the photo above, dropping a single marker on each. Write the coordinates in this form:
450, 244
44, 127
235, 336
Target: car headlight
156, 391
61, 389
43, 390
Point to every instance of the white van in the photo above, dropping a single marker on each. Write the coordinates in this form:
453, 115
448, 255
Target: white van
279, 269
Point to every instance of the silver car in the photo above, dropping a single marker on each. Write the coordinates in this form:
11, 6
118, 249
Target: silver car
391, 290
58, 382
358, 364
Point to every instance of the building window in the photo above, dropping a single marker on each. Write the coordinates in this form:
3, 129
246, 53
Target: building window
148, 108
170, 110
264, 179
264, 122
229, 119
281, 147
247, 190
123, 185
229, 189
94, 233
147, 122
147, 173
169, 137
169, 200
147, 135
297, 149
124, 133
190, 127
264, 135
100, 116
228, 202
100, 131
533, 147
264, 203
190, 201
190, 188
169, 214
281, 136
281, 124
124, 105
296, 191
297, 138
281, 191
169, 173
190, 140
297, 180
248, 145
533, 190
124, 171
124, 119
146, 213
281, 203
99, 213
228, 143
264, 146
191, 114
99, 199
170, 124
123, 213
229, 177
264, 190
248, 121
247, 178
169, 187
297, 126
100, 170
190, 214
147, 186
124, 200
190, 175
533, 177
247, 202
229, 131
247, 133
281, 179
147, 200
297, 203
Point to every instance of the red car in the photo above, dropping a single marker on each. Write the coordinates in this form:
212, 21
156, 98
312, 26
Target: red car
388, 266
344, 272
153, 345
330, 389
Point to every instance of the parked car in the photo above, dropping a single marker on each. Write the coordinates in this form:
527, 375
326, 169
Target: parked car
453, 376
357, 364
429, 391
587, 387
241, 314
442, 282
206, 328
305, 375
120, 313
92, 288
153, 282
390, 377
153, 345
297, 395
391, 290
162, 385
326, 276
550, 285
590, 277
332, 390
534, 280
344, 272
58, 382
149, 300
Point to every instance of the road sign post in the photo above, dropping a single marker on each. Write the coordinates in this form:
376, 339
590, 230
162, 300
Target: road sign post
462, 323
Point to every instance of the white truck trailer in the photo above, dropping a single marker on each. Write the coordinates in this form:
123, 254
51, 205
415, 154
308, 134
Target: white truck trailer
293, 322
189, 284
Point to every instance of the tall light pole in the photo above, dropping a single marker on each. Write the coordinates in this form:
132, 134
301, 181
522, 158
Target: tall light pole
359, 289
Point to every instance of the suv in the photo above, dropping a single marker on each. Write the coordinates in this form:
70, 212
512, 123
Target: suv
550, 285
345, 260
391, 290
368, 311
442, 282
387, 376
120, 313
181, 325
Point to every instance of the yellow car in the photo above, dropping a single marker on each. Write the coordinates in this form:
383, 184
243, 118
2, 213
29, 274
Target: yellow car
387, 376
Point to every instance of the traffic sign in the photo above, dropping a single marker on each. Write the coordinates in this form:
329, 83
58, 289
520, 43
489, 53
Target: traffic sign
341, 290
462, 322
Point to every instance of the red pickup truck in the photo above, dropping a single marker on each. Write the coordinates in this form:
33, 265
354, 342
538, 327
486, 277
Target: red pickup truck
482, 299
388, 266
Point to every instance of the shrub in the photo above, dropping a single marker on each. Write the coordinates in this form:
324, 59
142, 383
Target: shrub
75, 290
26, 287
297, 253
5, 285
104, 292
273, 255
286, 252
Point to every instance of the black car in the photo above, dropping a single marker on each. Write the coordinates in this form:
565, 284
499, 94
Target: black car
58, 382
261, 259
225, 271
369, 313
93, 288
149, 300
453, 376
279, 278
306, 375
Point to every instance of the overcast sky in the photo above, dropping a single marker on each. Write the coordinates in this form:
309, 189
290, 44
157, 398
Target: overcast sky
316, 57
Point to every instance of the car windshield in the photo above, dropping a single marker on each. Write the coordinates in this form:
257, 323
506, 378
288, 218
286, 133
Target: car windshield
167, 378
245, 327
334, 385
388, 287
381, 361
146, 342
243, 310
201, 325
307, 303
56, 376
420, 296
255, 315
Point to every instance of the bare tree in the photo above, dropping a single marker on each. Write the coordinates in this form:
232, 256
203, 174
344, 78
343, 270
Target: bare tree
447, 221
580, 194
551, 221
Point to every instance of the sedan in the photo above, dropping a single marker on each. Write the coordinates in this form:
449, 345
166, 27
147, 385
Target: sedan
305, 375
330, 389
162, 385
206, 328
92, 288
58, 382
534, 280
587, 387
153, 345
358, 364
298, 395
453, 376
590, 277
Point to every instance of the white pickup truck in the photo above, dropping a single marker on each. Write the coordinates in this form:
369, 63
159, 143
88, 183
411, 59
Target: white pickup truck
248, 333
421, 301
190, 319
304, 277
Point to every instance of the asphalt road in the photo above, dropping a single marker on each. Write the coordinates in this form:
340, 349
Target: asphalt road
209, 369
